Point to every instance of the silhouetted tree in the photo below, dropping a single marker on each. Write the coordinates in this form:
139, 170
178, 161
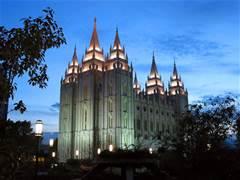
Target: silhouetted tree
207, 125
22, 52
237, 128
17, 145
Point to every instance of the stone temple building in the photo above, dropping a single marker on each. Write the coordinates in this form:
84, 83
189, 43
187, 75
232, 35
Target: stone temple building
101, 103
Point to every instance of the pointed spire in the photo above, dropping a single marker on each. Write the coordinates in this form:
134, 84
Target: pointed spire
135, 79
116, 40
75, 58
94, 51
94, 43
154, 70
174, 68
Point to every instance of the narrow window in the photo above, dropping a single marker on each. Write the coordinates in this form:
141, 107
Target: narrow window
85, 119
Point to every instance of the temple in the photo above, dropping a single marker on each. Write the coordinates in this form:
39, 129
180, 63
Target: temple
101, 103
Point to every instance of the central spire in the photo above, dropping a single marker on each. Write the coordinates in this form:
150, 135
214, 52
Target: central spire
174, 68
154, 71
94, 52
116, 41
94, 43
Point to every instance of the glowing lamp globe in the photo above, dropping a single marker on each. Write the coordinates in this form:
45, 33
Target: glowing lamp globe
110, 147
51, 142
77, 153
53, 154
150, 150
38, 128
98, 151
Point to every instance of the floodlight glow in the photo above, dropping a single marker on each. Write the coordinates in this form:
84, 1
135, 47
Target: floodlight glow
51, 142
110, 147
150, 150
98, 151
77, 153
53, 154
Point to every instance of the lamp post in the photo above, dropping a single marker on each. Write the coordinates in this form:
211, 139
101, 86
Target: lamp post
38, 134
51, 153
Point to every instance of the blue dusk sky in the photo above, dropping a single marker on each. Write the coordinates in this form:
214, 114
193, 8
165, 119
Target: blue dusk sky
203, 36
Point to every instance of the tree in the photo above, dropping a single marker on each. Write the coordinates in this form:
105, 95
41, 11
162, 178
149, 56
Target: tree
207, 125
17, 145
22, 51
237, 129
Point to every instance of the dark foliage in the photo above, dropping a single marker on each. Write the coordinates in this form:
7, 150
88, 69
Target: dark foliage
22, 51
237, 129
17, 144
206, 126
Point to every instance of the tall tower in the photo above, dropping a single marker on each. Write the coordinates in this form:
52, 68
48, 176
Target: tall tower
154, 83
177, 93
67, 109
118, 95
89, 99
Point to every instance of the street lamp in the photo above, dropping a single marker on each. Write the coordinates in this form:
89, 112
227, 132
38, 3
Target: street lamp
38, 128
51, 143
38, 134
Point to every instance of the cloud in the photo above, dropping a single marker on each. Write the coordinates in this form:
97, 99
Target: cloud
49, 115
220, 97
186, 45
55, 107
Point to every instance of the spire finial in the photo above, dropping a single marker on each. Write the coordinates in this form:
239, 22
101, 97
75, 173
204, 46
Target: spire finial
95, 20
153, 57
174, 66
94, 43
75, 49
154, 70
75, 59
116, 40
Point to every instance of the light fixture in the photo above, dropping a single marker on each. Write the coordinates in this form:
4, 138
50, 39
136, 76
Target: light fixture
77, 153
150, 150
98, 151
38, 128
110, 147
209, 146
53, 154
51, 142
